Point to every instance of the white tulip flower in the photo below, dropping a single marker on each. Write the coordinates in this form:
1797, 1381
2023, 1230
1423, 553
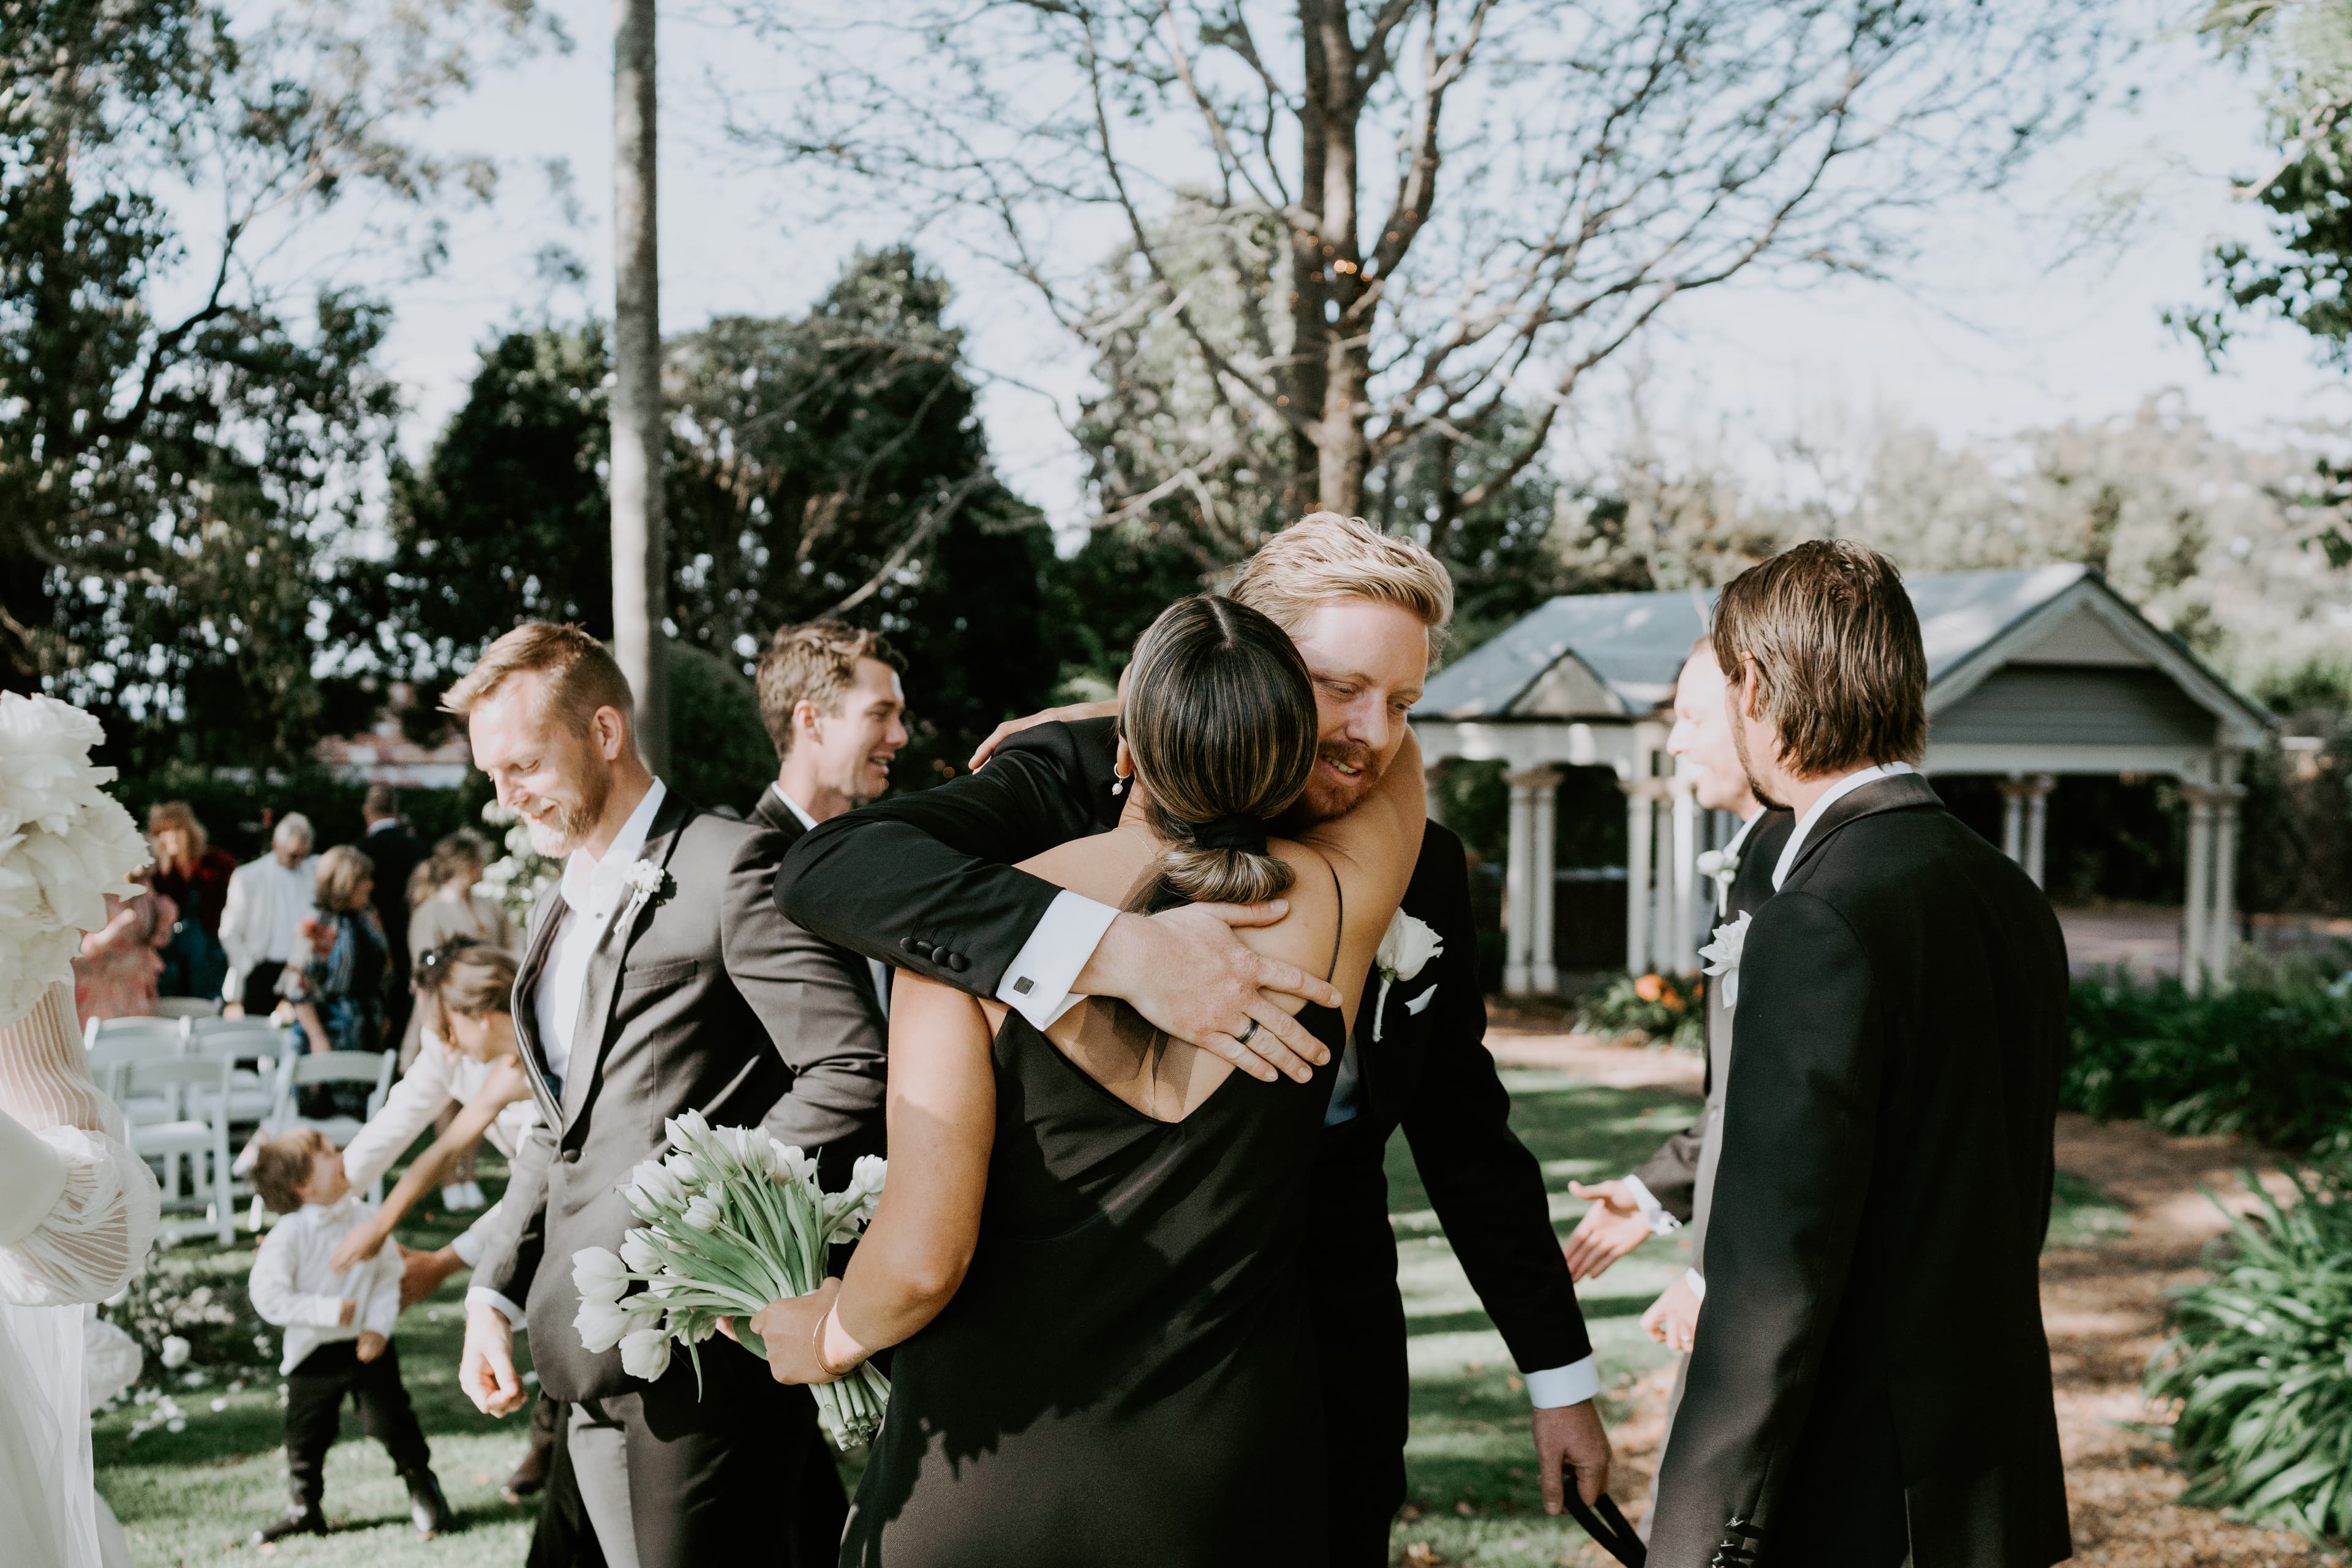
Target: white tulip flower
644, 1353
702, 1213
599, 1274
601, 1325
640, 1254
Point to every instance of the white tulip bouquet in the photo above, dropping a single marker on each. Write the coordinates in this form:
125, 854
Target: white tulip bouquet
733, 1220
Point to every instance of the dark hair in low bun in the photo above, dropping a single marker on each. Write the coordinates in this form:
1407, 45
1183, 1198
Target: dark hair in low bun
1220, 716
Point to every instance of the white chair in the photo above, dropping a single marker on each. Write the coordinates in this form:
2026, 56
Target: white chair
200, 1135
254, 1046
117, 1042
300, 1071
187, 1006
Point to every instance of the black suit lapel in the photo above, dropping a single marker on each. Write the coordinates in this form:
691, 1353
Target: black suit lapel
771, 811
1903, 792
594, 1026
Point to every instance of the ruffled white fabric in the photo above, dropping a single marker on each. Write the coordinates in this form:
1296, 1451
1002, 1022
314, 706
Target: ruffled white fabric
84, 1248
95, 1236
64, 844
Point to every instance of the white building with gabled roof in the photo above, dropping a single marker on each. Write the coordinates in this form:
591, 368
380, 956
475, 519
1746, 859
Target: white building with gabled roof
2031, 674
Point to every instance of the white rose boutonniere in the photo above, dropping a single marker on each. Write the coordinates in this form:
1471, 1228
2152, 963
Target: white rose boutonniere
1719, 866
1722, 956
646, 881
1406, 948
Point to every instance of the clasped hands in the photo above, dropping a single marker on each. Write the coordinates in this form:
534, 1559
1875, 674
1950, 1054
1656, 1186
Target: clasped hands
1613, 1227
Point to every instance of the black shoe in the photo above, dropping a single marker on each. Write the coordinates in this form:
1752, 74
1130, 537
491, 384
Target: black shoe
428, 1509
296, 1521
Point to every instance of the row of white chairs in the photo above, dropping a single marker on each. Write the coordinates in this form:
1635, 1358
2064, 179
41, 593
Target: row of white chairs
183, 1083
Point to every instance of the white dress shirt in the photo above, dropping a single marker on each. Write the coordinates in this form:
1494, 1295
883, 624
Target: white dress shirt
293, 1287
874, 966
592, 891
1829, 797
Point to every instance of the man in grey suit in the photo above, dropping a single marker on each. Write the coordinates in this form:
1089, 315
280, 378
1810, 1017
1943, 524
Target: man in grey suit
657, 976
831, 701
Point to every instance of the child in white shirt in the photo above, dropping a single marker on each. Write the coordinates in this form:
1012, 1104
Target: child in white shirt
338, 1332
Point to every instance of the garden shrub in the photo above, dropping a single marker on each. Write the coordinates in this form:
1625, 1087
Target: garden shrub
2269, 1058
200, 1297
2261, 1364
1671, 1009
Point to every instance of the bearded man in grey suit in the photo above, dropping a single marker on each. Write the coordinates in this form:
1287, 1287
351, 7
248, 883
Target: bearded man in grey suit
657, 977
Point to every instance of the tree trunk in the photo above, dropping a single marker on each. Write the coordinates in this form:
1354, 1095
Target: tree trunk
1327, 269
640, 576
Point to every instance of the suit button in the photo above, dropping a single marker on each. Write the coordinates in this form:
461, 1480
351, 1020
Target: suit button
921, 949
958, 962
908, 944
571, 1157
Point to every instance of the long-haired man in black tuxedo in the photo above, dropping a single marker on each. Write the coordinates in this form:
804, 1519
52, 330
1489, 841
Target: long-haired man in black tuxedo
1870, 1383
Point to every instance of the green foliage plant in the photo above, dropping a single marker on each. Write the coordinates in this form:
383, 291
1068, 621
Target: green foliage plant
2260, 1365
1669, 1009
2268, 1057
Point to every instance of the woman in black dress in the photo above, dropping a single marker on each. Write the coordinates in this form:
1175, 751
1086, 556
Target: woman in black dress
1087, 1250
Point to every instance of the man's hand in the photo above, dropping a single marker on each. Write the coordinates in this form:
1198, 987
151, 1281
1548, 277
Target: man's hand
371, 1344
1572, 1439
1190, 976
421, 1273
1610, 1229
1106, 709
1673, 1318
487, 1369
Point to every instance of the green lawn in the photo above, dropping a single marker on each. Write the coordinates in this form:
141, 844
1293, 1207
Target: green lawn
193, 1496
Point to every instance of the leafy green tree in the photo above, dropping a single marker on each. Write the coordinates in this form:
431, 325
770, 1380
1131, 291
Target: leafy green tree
176, 482
829, 464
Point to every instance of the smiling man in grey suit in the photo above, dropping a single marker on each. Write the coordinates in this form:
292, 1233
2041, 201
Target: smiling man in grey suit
657, 976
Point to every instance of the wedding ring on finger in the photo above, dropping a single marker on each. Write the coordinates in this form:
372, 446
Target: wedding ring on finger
1244, 1038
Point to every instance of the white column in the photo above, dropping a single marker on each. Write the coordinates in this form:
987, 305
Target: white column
2012, 818
1518, 901
2037, 825
1543, 785
1683, 956
2222, 937
1639, 818
2196, 914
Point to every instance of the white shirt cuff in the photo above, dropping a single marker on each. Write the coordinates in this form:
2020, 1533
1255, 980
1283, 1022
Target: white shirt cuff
1571, 1385
483, 1295
1037, 983
1661, 1221
469, 1244
1696, 1282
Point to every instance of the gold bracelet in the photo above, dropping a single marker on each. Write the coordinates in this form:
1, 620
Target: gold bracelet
816, 1345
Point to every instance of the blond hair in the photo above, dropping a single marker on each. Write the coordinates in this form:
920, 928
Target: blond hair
814, 663
166, 815
582, 675
1324, 556
340, 872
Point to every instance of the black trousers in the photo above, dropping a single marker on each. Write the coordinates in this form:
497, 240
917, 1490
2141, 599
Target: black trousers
1351, 1271
261, 998
315, 1392
742, 1473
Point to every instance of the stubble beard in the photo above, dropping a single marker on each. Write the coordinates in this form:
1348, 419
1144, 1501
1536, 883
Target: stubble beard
1325, 801
1747, 765
565, 827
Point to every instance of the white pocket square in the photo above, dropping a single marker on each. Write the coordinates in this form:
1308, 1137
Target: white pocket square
1420, 1002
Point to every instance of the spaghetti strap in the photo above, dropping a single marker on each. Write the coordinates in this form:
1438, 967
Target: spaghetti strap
1340, 926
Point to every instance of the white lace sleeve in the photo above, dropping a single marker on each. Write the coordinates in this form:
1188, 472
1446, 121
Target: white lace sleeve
98, 1232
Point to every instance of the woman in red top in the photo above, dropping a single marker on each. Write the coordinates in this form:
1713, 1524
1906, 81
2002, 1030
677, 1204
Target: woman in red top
194, 876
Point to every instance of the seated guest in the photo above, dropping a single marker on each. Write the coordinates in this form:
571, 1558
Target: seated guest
338, 1326
193, 874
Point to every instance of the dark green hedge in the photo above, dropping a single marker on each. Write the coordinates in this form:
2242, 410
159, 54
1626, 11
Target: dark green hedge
2269, 1058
